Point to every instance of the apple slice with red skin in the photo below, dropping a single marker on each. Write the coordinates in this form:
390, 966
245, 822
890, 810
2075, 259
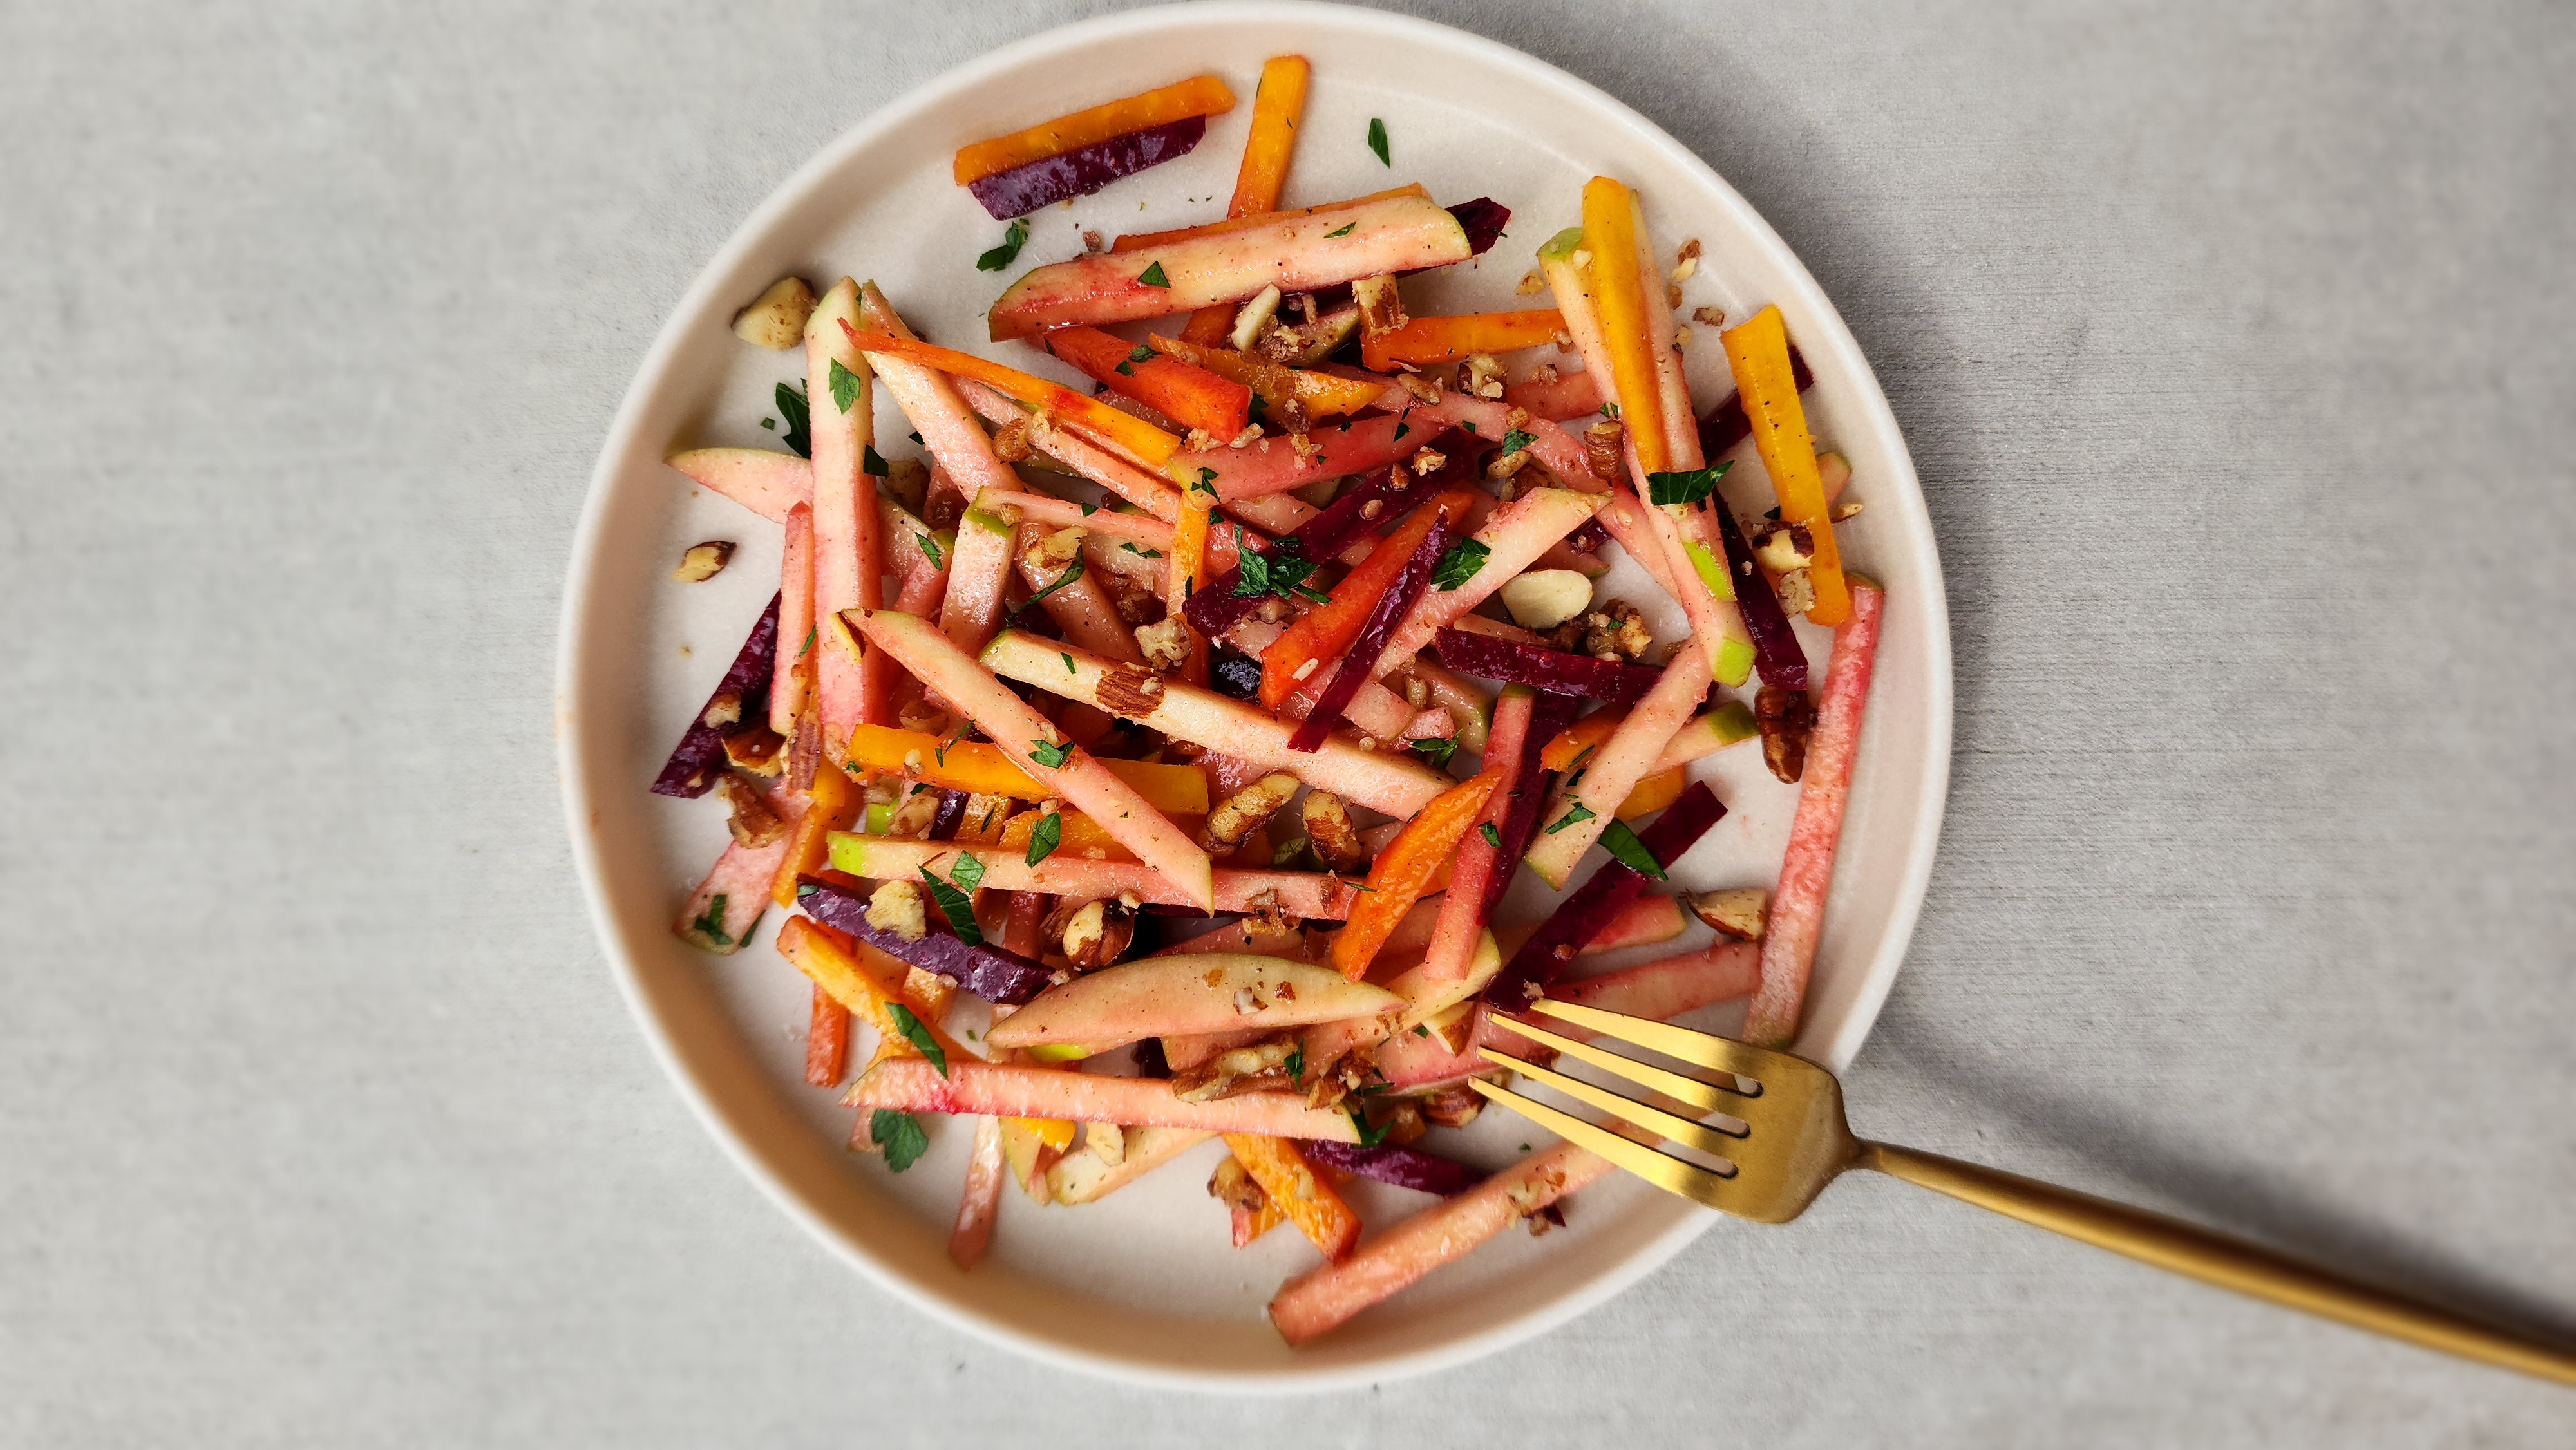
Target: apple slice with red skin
911, 1084
1312, 895
1018, 731
930, 403
1298, 252
1206, 992
1083, 1178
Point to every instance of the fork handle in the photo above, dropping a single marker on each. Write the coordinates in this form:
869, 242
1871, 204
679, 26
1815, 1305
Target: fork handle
2214, 1258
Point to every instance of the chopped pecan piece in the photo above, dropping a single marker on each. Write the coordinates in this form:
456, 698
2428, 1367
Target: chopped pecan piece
751, 820
1454, 1106
1233, 1187
1601, 450
1244, 812
703, 562
1330, 834
1261, 1065
1787, 718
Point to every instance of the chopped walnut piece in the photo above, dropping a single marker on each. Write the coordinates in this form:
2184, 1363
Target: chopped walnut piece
1544, 373
1454, 1106
703, 562
923, 716
913, 817
1293, 416
751, 820
1011, 441
1481, 375
1601, 450
1266, 916
1564, 341
1307, 449
1740, 913
1092, 934
1848, 508
1428, 462
1091, 240
1261, 1065
1165, 643
1616, 630
1686, 261
1784, 547
756, 748
897, 907
1250, 435
776, 319
1244, 812
1797, 592
1424, 387
1786, 717
1235, 1188
1672, 295
1199, 440
1709, 316
1330, 834
1531, 284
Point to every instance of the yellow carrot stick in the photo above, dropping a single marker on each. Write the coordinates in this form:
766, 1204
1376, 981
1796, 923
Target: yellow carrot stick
1610, 235
1758, 351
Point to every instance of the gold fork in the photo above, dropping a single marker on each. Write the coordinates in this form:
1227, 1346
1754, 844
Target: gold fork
1788, 1139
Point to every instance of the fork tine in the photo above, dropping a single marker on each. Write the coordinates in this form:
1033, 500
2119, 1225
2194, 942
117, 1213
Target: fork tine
1668, 1173
1723, 1054
1704, 1096
1653, 1119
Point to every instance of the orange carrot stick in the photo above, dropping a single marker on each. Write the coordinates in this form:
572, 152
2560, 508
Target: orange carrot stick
1295, 1190
1126, 430
1324, 632
1403, 871
1197, 96
1275, 107
1185, 570
827, 1040
1428, 340
1583, 735
1192, 397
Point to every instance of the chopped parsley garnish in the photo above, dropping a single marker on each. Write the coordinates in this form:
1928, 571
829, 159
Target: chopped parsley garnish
791, 406
1344, 232
1068, 663
1141, 354
1435, 752
873, 463
1287, 851
1153, 277
1126, 369
1045, 836
1492, 837
900, 1135
1772, 513
1460, 564
1071, 572
1296, 1063
969, 870
769, 423
1516, 440
1685, 488
929, 550
1089, 509
1370, 1137
1142, 553
1576, 816
1050, 755
1377, 140
711, 925
1014, 237
918, 1035
1282, 571
1421, 1029
845, 386
1206, 482
1630, 852
1610, 411
915, 437
809, 645
954, 905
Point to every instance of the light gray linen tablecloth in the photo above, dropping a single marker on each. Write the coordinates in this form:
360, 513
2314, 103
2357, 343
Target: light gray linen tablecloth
2234, 345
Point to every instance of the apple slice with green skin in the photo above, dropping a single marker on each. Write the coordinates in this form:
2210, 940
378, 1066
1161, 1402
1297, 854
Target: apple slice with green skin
1513, 539
1083, 1178
1297, 252
1328, 1296
911, 1084
1468, 705
1421, 997
979, 577
1397, 785
849, 558
1641, 923
1573, 820
1703, 735
1019, 732
1309, 894
1207, 992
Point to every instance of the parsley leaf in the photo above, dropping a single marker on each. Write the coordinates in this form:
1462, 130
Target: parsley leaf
1685, 488
1126, 369
1287, 851
1421, 1029
1370, 1137
1153, 277
900, 1135
1142, 553
1089, 509
1068, 663
1344, 232
1050, 755
918, 1035
872, 463
1141, 354
954, 905
711, 925
1630, 852
930, 550
1377, 140
969, 870
1492, 837
769, 423
791, 406
809, 645
1460, 564
845, 386
1045, 836
1296, 1063
1071, 572
1516, 440
1435, 752
1282, 571
915, 437
1576, 816
1206, 482
1610, 411
1013, 238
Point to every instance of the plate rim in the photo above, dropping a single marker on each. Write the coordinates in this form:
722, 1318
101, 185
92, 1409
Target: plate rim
1877, 980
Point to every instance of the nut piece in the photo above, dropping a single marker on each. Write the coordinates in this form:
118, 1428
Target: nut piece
1165, 643
897, 907
1244, 812
1261, 1065
1784, 547
1255, 318
1481, 375
1797, 592
1330, 834
1454, 1106
1601, 450
1614, 631
751, 820
1235, 1188
1107, 1142
1686, 262
1740, 913
913, 817
1787, 718
1381, 305
1546, 598
1093, 933
1429, 461
776, 320
923, 716
756, 748
1709, 316
1531, 284
703, 562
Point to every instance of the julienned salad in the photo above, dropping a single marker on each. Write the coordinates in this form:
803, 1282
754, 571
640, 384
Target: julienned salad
992, 738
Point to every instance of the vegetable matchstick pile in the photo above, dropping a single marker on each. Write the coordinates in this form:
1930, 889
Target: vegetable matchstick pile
1207, 638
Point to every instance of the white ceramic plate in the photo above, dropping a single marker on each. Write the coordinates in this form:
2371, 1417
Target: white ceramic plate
1144, 1285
